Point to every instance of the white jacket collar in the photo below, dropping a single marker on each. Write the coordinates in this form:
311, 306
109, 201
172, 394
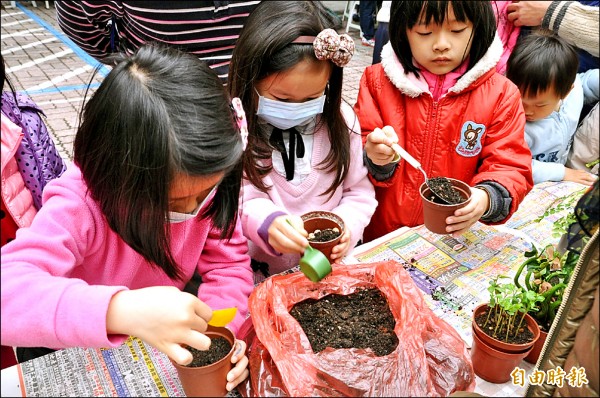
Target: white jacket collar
413, 87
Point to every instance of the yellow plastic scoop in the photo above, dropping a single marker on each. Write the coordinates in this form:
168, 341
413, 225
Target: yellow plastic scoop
222, 317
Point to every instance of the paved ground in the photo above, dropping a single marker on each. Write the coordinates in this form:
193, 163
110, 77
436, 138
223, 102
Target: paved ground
56, 73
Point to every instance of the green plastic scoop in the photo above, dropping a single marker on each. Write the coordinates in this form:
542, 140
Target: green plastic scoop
313, 263
221, 318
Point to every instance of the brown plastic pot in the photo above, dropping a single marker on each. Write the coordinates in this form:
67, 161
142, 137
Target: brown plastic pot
322, 220
209, 380
435, 214
534, 354
499, 344
493, 365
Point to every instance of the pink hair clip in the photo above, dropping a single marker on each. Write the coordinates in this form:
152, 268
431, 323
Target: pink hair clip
242, 123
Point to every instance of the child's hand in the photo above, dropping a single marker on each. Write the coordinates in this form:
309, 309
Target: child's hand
466, 216
162, 316
286, 238
341, 249
580, 176
240, 372
379, 145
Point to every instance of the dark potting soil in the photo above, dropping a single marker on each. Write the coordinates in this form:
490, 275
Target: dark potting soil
443, 188
359, 320
219, 348
323, 235
524, 335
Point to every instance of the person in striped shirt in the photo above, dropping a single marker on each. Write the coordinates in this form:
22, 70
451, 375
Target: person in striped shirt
208, 29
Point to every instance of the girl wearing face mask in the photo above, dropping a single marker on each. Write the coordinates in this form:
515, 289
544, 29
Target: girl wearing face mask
305, 150
151, 198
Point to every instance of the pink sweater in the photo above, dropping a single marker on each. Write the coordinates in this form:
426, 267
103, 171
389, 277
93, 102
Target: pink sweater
507, 31
354, 201
59, 275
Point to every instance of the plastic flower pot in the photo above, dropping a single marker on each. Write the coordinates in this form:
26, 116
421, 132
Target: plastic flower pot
435, 214
493, 365
534, 354
209, 380
502, 345
322, 220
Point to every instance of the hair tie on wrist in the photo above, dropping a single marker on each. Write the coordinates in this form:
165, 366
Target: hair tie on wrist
329, 45
242, 123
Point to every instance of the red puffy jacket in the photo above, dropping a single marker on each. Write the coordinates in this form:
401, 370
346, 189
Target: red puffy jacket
474, 133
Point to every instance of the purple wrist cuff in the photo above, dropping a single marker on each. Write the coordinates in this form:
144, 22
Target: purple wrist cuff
263, 230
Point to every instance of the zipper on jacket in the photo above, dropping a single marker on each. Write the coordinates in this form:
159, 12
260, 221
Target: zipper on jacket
564, 306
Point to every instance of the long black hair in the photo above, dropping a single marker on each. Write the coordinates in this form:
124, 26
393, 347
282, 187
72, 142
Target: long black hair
406, 14
264, 48
4, 79
158, 113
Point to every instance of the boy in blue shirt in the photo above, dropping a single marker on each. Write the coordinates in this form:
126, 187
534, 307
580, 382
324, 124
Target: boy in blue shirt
544, 68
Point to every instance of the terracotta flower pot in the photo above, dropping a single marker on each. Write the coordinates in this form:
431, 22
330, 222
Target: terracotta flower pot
534, 354
209, 380
493, 365
322, 220
435, 214
501, 345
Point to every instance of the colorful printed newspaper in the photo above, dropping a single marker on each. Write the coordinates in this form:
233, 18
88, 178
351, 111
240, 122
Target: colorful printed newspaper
454, 274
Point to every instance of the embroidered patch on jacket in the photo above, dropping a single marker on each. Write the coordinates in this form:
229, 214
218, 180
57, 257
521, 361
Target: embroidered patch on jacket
470, 139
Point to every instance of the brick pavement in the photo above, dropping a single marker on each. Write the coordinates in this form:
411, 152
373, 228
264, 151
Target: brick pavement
41, 60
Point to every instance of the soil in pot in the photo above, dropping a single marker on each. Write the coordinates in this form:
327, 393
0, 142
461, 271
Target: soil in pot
206, 375
324, 235
523, 336
219, 348
359, 320
435, 214
444, 189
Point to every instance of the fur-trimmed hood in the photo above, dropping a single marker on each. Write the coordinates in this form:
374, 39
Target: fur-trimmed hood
409, 85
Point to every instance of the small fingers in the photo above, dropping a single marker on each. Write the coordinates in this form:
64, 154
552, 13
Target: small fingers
457, 228
204, 312
179, 354
240, 372
240, 350
390, 134
238, 369
232, 384
284, 244
198, 340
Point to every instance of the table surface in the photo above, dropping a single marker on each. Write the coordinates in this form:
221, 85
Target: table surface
137, 369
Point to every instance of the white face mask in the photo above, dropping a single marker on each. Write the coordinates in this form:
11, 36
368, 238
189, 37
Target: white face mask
285, 115
175, 217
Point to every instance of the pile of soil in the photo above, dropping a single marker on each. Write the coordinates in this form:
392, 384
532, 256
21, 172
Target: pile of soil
219, 348
323, 235
523, 336
441, 187
359, 320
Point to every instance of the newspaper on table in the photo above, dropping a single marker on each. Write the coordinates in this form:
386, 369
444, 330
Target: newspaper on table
134, 369
454, 274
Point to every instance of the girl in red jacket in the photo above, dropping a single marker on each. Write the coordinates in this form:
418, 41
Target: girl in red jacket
439, 96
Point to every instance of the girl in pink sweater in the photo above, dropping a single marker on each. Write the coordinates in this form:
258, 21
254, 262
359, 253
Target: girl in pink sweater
305, 149
151, 197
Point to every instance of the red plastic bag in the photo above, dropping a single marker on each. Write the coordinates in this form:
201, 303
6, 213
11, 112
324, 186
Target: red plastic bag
431, 359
